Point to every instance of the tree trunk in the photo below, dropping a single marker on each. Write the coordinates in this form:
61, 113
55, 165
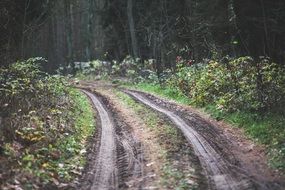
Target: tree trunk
27, 4
89, 29
266, 50
69, 14
232, 26
132, 28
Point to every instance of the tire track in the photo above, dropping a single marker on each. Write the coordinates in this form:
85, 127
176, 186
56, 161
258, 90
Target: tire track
218, 171
116, 157
105, 169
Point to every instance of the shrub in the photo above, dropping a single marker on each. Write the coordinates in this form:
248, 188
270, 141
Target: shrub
237, 84
44, 127
24, 90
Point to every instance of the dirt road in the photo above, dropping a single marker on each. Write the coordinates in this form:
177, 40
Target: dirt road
120, 162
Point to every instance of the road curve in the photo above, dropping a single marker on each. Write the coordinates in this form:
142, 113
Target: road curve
217, 169
105, 177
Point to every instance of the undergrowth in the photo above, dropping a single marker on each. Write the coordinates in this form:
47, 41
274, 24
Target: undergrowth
44, 128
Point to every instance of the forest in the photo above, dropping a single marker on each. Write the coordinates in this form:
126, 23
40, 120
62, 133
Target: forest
141, 94
67, 31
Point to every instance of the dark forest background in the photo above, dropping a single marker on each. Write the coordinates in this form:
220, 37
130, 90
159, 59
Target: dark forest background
65, 31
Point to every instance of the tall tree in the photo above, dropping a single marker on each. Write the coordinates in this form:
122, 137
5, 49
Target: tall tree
132, 29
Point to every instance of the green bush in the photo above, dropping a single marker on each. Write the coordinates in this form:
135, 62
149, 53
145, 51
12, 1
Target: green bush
25, 91
237, 84
44, 127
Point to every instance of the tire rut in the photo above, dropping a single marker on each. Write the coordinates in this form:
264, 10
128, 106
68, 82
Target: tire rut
106, 174
118, 157
219, 172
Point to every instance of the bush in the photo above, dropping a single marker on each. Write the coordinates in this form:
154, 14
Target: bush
237, 84
44, 127
24, 90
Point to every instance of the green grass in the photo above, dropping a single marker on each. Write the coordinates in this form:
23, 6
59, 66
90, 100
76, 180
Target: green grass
268, 130
161, 91
73, 146
83, 114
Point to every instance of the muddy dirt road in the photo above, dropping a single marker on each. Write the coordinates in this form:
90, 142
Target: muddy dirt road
119, 159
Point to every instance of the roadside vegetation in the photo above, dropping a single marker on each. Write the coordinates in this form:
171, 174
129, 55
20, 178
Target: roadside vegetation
246, 93
44, 128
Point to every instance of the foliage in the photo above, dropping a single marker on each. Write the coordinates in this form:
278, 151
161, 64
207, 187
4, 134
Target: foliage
43, 143
24, 90
95, 67
232, 85
130, 68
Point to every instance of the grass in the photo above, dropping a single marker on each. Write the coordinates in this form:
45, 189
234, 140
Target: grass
268, 130
68, 152
170, 141
161, 91
73, 146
